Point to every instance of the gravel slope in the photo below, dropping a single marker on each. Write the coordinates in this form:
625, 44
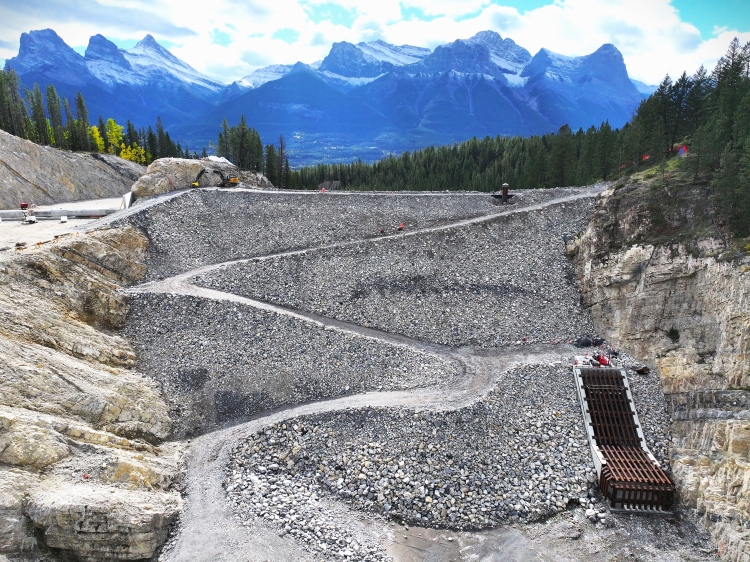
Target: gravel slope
484, 285
213, 226
220, 361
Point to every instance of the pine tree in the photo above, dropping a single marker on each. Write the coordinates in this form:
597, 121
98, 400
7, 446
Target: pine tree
281, 157
152, 145
270, 167
55, 115
163, 148
71, 128
82, 121
103, 132
38, 117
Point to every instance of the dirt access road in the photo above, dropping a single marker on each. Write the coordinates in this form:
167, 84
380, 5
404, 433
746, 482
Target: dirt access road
208, 530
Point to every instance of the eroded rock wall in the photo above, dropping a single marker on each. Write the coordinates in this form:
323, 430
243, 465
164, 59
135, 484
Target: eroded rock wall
83, 463
44, 175
685, 307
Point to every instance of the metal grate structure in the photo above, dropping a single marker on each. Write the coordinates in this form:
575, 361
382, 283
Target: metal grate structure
629, 475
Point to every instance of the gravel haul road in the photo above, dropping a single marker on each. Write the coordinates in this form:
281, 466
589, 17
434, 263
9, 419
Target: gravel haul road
359, 464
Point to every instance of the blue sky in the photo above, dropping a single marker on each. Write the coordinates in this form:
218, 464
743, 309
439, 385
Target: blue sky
228, 39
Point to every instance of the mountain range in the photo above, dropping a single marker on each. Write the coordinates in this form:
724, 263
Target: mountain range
361, 101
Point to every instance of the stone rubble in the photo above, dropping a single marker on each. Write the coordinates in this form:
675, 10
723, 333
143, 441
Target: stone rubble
487, 285
518, 455
202, 227
219, 361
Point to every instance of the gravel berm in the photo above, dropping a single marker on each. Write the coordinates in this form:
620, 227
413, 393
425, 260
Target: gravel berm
207, 226
488, 285
218, 361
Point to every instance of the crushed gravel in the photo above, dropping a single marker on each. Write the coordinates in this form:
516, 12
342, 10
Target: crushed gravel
485, 285
520, 454
218, 361
213, 226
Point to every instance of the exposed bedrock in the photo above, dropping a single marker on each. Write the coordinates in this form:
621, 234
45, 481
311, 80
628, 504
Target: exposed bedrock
81, 432
686, 307
41, 175
168, 174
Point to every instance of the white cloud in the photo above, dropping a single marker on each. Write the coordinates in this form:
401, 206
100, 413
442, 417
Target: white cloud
649, 33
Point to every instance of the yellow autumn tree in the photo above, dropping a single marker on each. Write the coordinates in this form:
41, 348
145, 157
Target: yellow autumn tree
95, 138
133, 153
114, 135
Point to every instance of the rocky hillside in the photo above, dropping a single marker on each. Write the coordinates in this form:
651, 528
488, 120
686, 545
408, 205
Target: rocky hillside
42, 175
83, 466
663, 282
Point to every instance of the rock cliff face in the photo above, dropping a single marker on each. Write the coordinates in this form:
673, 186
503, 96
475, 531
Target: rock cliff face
43, 175
683, 305
83, 466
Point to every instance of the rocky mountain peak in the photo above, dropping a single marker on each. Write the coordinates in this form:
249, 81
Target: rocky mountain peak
44, 52
101, 48
460, 56
346, 59
505, 53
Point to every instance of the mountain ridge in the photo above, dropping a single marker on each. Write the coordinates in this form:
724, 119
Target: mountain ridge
401, 97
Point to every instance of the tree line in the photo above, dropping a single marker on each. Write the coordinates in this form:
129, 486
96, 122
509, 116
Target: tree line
47, 119
242, 146
707, 114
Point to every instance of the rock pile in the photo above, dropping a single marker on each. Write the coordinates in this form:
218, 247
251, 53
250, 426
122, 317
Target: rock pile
169, 174
490, 285
218, 361
203, 227
520, 454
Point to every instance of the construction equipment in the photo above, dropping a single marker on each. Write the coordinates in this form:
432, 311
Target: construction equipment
226, 181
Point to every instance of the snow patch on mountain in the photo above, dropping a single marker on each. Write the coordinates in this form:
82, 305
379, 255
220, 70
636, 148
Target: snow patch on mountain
263, 75
154, 61
644, 89
509, 57
397, 56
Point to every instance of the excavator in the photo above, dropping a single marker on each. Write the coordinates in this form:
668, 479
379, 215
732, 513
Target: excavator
226, 181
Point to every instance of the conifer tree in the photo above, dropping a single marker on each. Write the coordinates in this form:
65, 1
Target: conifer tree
82, 122
38, 117
55, 115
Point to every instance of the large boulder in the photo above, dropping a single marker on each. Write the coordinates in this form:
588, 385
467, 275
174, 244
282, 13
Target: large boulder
169, 174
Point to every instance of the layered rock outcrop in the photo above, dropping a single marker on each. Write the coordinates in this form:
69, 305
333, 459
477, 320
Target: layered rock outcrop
169, 174
44, 175
83, 463
662, 283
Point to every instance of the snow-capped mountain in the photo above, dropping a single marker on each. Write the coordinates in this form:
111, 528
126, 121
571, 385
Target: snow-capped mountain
397, 56
154, 62
644, 89
346, 66
366, 99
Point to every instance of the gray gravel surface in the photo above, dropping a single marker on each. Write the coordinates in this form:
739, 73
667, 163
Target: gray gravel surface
219, 361
518, 454
490, 284
207, 226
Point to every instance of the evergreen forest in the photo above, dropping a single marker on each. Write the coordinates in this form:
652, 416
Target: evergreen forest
39, 118
706, 115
